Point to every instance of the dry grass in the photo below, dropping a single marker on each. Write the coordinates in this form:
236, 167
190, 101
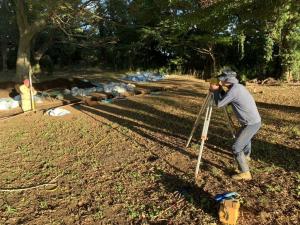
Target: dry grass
126, 163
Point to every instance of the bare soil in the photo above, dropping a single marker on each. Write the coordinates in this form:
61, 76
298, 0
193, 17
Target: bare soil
126, 162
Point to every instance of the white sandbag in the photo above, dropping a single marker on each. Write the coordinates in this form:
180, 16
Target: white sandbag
130, 87
99, 89
145, 77
8, 103
115, 88
108, 88
58, 112
74, 91
67, 92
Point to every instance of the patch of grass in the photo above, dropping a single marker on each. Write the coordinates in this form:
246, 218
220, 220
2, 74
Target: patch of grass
297, 188
44, 205
19, 135
95, 163
196, 147
119, 188
10, 210
47, 135
28, 175
133, 213
264, 201
295, 131
98, 215
66, 150
215, 172
84, 131
47, 165
153, 212
9, 177
274, 189
156, 175
75, 175
135, 175
245, 202
124, 130
24, 149
267, 169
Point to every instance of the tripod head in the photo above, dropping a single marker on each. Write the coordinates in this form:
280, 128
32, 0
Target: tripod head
216, 85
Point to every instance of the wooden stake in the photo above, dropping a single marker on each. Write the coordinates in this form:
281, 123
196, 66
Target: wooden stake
31, 92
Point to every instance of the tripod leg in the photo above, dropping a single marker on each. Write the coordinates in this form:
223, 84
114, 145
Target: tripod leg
204, 136
207, 98
230, 123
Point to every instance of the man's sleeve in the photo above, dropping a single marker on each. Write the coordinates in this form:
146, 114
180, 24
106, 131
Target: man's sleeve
223, 100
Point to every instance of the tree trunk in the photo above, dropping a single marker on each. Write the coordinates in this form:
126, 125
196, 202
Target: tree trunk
40, 52
23, 59
210, 52
27, 32
214, 71
4, 55
286, 74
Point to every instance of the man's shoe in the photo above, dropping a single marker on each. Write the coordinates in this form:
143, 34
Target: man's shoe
242, 176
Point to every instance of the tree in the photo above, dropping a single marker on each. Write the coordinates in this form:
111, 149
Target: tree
8, 31
259, 38
270, 29
33, 16
27, 31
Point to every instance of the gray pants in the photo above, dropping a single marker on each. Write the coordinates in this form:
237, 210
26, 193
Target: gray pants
242, 145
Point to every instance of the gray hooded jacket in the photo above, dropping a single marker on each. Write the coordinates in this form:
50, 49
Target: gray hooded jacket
242, 102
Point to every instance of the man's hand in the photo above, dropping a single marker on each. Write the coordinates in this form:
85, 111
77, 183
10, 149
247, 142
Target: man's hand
214, 87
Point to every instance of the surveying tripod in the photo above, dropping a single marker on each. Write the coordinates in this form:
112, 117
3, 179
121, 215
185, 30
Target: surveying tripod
208, 105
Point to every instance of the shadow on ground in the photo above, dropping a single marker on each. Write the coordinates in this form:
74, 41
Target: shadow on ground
190, 192
172, 131
284, 108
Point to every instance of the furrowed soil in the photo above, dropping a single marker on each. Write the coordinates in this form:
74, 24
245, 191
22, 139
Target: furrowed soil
126, 162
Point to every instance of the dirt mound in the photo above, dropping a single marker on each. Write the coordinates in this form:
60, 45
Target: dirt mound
8, 89
51, 84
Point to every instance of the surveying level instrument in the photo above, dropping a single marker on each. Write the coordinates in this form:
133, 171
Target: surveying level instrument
208, 106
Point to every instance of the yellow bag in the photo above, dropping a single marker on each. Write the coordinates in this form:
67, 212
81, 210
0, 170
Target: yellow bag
229, 211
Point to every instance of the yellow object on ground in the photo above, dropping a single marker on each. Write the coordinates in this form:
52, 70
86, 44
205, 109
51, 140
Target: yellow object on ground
229, 211
242, 176
26, 98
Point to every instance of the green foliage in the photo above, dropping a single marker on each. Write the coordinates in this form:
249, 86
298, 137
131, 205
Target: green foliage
10, 210
295, 131
259, 38
8, 34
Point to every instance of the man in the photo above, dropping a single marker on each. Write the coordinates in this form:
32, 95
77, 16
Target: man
246, 111
25, 95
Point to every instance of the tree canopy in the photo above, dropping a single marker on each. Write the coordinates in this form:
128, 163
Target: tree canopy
259, 38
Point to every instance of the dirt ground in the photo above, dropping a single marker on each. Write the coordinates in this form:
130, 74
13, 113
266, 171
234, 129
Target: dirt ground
126, 162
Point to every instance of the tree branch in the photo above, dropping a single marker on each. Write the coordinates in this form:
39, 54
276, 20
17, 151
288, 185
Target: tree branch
21, 17
38, 25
